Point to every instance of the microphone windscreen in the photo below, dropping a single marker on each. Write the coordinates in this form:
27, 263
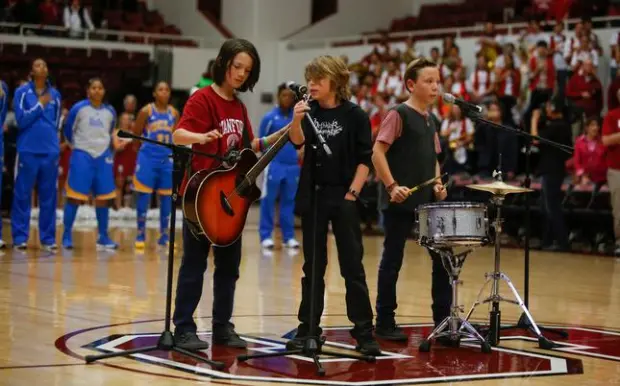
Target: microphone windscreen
449, 98
123, 134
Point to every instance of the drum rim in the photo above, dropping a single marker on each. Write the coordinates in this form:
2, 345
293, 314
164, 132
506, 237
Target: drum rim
452, 205
443, 239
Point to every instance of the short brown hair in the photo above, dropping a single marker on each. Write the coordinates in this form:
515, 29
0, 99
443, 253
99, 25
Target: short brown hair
332, 68
414, 67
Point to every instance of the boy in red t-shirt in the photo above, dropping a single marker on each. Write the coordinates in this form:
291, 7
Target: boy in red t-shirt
213, 121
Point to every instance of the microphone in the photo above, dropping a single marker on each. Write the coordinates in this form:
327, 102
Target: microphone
464, 105
124, 134
297, 88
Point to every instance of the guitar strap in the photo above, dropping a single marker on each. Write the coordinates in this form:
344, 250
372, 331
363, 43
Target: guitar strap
246, 136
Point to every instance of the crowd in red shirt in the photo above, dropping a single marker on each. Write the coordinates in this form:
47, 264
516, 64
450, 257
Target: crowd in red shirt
520, 73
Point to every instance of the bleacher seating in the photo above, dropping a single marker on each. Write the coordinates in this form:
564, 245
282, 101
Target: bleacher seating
72, 67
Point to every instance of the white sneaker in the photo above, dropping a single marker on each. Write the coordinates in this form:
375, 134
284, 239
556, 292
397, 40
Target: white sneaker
292, 243
2, 244
267, 244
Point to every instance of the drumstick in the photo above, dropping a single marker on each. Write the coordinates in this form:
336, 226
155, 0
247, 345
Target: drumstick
425, 183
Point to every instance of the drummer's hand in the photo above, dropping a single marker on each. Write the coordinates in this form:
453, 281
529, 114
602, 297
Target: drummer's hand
399, 194
440, 192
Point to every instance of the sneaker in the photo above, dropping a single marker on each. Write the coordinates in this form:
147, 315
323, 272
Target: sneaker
49, 247
292, 243
390, 331
267, 244
224, 334
163, 241
2, 244
367, 345
105, 243
21, 246
190, 341
67, 240
140, 245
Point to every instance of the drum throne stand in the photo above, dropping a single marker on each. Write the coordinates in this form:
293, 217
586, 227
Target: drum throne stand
454, 326
495, 298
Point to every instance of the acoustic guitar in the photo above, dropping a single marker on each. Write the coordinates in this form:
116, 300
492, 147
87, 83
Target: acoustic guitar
216, 202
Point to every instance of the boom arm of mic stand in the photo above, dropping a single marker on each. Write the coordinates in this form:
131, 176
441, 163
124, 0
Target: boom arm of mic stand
565, 148
173, 147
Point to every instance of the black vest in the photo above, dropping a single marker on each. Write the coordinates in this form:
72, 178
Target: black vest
412, 159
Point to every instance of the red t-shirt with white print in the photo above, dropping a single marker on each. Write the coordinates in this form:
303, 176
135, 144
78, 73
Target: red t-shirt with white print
206, 111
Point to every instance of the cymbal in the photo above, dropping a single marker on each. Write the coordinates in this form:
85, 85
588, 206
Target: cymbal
499, 188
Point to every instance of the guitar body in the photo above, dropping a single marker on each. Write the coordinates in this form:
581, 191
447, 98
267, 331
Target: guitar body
215, 206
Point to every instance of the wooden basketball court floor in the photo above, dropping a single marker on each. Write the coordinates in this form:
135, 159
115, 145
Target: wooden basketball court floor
57, 308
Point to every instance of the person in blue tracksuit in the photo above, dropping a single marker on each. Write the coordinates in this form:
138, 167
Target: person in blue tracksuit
89, 128
281, 177
4, 107
155, 121
37, 107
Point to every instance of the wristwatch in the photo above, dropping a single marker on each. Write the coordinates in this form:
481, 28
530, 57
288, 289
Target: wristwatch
354, 194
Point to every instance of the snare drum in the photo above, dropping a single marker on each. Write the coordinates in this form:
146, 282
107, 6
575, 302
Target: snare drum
453, 224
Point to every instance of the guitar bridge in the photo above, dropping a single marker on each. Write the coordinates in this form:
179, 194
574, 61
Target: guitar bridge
226, 205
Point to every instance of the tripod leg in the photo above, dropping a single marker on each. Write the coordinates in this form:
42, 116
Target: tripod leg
525, 324
467, 326
361, 357
442, 326
542, 341
477, 302
214, 364
92, 358
319, 367
244, 357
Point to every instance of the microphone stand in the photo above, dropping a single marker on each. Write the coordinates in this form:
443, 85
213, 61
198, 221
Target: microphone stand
313, 344
523, 322
181, 156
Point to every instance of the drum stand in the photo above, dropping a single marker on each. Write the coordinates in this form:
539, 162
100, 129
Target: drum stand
454, 325
495, 276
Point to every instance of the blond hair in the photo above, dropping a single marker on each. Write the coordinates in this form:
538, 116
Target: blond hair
332, 68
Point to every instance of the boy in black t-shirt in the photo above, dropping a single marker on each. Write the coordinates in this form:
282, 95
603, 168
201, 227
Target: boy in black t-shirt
405, 155
339, 179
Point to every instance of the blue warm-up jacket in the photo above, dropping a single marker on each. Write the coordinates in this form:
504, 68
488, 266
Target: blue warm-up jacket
38, 125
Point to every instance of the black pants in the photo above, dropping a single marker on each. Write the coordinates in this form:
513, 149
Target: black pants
398, 226
191, 277
555, 227
345, 222
537, 99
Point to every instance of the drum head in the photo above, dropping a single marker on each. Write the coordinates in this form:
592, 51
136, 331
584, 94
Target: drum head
449, 205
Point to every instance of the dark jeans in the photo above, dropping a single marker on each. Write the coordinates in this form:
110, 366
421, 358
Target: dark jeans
398, 226
555, 227
191, 277
345, 222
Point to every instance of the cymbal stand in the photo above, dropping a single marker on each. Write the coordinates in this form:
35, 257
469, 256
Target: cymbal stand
454, 326
495, 298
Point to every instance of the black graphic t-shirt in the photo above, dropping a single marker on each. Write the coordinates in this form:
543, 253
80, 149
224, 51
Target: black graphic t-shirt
330, 123
346, 130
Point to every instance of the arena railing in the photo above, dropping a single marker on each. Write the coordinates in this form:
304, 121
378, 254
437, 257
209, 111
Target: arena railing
106, 35
368, 38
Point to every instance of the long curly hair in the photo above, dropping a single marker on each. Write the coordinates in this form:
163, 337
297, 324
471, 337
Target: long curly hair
332, 68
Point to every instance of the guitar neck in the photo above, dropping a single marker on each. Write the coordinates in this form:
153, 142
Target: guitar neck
263, 161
